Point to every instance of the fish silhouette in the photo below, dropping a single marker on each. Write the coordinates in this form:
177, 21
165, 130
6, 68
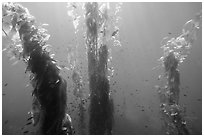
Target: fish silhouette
6, 122
29, 118
25, 132
29, 123
115, 32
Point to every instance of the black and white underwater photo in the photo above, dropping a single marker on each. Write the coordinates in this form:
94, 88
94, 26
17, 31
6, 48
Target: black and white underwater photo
101, 68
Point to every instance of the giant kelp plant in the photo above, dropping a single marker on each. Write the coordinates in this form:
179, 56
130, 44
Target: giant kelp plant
29, 45
101, 108
175, 52
98, 27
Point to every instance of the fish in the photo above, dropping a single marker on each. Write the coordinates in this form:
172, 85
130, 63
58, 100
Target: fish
3, 94
5, 84
5, 32
15, 63
29, 118
29, 123
198, 99
14, 21
114, 33
6, 122
74, 6
25, 132
35, 113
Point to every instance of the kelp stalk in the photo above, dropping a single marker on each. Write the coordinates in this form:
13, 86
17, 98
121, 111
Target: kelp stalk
101, 106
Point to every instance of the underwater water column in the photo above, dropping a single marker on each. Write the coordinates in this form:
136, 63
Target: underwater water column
49, 94
100, 119
175, 52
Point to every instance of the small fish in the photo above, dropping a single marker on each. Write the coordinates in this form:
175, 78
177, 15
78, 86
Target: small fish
25, 132
5, 32
62, 66
6, 122
114, 33
14, 21
3, 94
29, 123
169, 33
184, 95
45, 24
74, 6
29, 118
5, 84
198, 99
146, 126
15, 63
159, 77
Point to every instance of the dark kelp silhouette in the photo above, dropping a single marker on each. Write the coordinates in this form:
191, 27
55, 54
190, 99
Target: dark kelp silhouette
175, 52
101, 105
49, 103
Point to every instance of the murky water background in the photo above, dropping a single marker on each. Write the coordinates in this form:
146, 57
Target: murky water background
136, 101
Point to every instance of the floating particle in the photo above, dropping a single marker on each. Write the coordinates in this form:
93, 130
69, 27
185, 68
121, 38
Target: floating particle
146, 126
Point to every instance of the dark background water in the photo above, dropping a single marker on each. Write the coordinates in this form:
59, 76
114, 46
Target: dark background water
136, 101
